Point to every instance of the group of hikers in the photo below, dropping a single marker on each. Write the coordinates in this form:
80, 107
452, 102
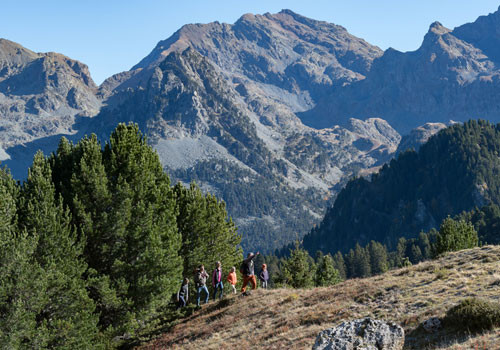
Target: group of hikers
247, 269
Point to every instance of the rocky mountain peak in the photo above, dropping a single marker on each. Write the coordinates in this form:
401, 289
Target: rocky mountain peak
13, 56
438, 29
41, 94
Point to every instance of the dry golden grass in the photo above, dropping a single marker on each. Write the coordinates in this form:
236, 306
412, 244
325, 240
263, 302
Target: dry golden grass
291, 318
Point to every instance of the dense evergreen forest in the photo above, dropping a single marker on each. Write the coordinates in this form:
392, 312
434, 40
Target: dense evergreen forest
456, 171
96, 240
298, 269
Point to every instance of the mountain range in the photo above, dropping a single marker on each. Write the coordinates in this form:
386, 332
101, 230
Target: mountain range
273, 113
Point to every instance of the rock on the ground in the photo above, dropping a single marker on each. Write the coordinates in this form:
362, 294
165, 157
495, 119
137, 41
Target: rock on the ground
362, 334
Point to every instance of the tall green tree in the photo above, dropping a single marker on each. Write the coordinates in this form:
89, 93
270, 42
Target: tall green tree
326, 274
208, 234
143, 241
65, 317
361, 262
122, 202
298, 270
20, 277
378, 258
339, 264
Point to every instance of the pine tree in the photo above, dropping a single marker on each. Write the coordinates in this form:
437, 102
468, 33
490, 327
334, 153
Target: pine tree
326, 274
144, 242
65, 317
84, 184
339, 264
400, 252
350, 264
299, 270
21, 283
415, 254
455, 235
378, 258
208, 235
361, 262
425, 245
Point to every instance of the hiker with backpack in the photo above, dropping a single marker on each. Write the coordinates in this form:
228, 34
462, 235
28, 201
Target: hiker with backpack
247, 269
232, 279
217, 280
264, 276
200, 280
183, 294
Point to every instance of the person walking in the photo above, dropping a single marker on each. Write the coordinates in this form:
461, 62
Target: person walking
232, 279
264, 276
183, 294
200, 280
247, 269
217, 280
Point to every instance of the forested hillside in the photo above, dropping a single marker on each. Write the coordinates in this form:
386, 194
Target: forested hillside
96, 240
457, 170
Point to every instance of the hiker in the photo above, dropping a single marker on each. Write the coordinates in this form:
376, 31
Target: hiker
217, 280
247, 269
232, 279
200, 280
264, 276
183, 294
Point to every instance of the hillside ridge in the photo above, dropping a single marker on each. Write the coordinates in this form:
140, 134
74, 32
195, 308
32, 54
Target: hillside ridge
291, 318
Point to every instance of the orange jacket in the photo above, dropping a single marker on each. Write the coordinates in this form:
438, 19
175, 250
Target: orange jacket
232, 278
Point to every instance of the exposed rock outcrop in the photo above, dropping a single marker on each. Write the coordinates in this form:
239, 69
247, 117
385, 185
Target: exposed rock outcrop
362, 334
418, 136
41, 94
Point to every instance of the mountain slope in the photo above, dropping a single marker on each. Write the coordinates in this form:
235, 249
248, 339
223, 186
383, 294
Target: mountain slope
41, 94
454, 75
274, 181
292, 318
455, 171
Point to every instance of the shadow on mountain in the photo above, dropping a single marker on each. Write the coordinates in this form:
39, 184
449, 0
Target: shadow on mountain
21, 156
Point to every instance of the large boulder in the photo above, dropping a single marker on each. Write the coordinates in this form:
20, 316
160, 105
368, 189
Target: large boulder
362, 334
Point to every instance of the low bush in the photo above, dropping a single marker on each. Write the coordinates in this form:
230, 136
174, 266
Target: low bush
474, 315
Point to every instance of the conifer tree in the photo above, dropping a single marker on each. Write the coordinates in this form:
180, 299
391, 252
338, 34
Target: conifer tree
400, 252
298, 270
83, 183
350, 264
143, 241
455, 235
425, 245
326, 274
339, 264
378, 258
20, 277
208, 235
65, 315
361, 262
415, 254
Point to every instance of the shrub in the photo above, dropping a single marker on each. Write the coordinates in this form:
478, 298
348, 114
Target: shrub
455, 235
474, 314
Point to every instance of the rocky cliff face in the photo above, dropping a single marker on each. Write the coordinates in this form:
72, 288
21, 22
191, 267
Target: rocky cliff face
41, 94
454, 75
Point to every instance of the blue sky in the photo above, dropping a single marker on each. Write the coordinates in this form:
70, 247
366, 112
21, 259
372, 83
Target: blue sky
111, 36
